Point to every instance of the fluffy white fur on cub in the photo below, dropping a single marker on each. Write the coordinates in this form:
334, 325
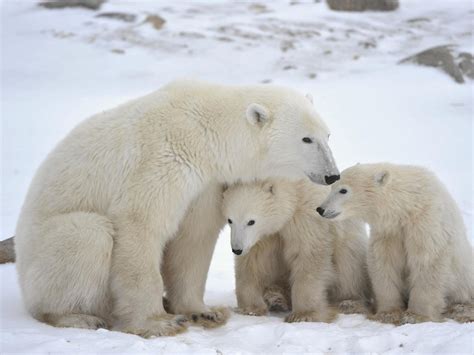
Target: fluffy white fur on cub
284, 243
116, 191
418, 251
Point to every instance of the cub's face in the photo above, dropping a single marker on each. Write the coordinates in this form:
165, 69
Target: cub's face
295, 140
354, 194
251, 214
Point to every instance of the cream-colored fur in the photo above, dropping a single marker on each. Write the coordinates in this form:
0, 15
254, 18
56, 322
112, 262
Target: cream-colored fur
187, 258
290, 246
109, 198
419, 252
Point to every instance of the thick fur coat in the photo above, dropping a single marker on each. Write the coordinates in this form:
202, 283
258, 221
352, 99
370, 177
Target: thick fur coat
116, 191
420, 260
285, 245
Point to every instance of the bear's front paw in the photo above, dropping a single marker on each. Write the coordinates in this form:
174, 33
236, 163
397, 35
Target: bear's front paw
215, 317
410, 317
157, 326
253, 310
327, 316
390, 317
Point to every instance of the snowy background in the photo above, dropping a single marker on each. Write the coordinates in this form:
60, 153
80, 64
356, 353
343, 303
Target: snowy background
60, 66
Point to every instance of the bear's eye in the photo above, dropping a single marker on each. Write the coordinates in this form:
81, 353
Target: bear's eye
307, 140
251, 222
343, 191
230, 221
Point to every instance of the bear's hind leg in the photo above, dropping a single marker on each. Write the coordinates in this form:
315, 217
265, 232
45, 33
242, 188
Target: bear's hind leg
65, 272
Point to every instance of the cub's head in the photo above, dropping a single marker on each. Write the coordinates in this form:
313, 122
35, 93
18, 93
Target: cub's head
357, 193
253, 211
294, 138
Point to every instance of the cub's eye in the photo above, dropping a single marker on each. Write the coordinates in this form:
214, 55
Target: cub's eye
230, 221
307, 140
251, 222
343, 191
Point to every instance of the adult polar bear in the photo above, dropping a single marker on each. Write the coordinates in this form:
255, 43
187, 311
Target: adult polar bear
106, 201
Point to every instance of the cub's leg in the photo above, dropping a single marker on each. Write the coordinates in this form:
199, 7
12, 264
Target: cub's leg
64, 270
351, 291
260, 268
311, 274
428, 261
386, 263
188, 256
309, 303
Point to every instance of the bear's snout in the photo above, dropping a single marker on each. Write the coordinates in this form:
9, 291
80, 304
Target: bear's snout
237, 251
331, 179
320, 211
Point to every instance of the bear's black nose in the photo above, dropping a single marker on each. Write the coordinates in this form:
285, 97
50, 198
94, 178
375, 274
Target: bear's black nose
331, 179
237, 251
320, 210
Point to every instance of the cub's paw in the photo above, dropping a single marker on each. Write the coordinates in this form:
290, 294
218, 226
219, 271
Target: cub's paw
391, 317
276, 301
409, 317
158, 326
462, 313
353, 306
327, 316
252, 310
215, 317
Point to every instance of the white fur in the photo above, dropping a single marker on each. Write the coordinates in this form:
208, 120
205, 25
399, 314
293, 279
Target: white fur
419, 252
110, 197
291, 245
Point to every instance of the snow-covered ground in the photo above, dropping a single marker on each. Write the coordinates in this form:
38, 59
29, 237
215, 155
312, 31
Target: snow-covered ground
60, 66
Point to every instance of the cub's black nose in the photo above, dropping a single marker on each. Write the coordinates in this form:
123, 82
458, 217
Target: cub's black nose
237, 251
320, 210
331, 179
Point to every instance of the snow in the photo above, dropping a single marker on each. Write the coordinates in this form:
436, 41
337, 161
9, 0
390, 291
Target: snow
60, 66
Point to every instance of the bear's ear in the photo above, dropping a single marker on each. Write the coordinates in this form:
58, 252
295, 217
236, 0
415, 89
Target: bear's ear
257, 114
310, 97
268, 187
381, 178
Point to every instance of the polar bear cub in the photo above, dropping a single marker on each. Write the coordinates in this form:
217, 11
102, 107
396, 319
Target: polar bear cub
418, 250
282, 242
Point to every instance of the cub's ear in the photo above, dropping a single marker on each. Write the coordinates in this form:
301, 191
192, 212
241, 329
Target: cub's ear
310, 97
257, 114
268, 187
382, 177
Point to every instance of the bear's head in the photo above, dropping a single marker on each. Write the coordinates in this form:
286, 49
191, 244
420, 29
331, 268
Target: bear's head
293, 138
357, 194
255, 210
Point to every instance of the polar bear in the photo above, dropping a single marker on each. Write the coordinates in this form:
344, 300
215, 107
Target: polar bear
108, 199
186, 259
281, 242
418, 250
